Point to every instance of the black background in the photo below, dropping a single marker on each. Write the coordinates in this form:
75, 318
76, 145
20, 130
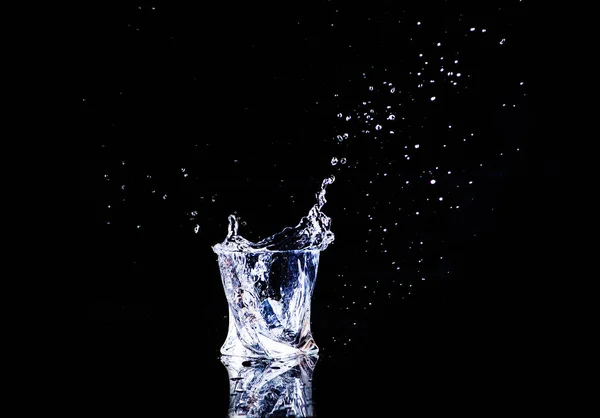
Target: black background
242, 100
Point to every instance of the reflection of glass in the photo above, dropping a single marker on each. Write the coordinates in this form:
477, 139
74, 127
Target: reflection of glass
270, 388
269, 295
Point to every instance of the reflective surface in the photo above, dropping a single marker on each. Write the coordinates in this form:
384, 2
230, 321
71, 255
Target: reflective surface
265, 388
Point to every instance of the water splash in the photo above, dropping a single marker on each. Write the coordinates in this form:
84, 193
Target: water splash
312, 232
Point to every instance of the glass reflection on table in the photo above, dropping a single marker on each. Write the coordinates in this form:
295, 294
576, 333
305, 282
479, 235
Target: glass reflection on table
270, 387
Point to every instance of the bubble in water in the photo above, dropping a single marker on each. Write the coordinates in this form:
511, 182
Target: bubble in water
197, 228
343, 161
393, 90
345, 136
340, 138
334, 161
391, 117
370, 88
432, 182
377, 127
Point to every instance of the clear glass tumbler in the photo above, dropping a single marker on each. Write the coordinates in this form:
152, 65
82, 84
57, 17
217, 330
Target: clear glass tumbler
269, 295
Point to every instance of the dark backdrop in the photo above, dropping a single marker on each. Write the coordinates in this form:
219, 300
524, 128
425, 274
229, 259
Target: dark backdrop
187, 114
